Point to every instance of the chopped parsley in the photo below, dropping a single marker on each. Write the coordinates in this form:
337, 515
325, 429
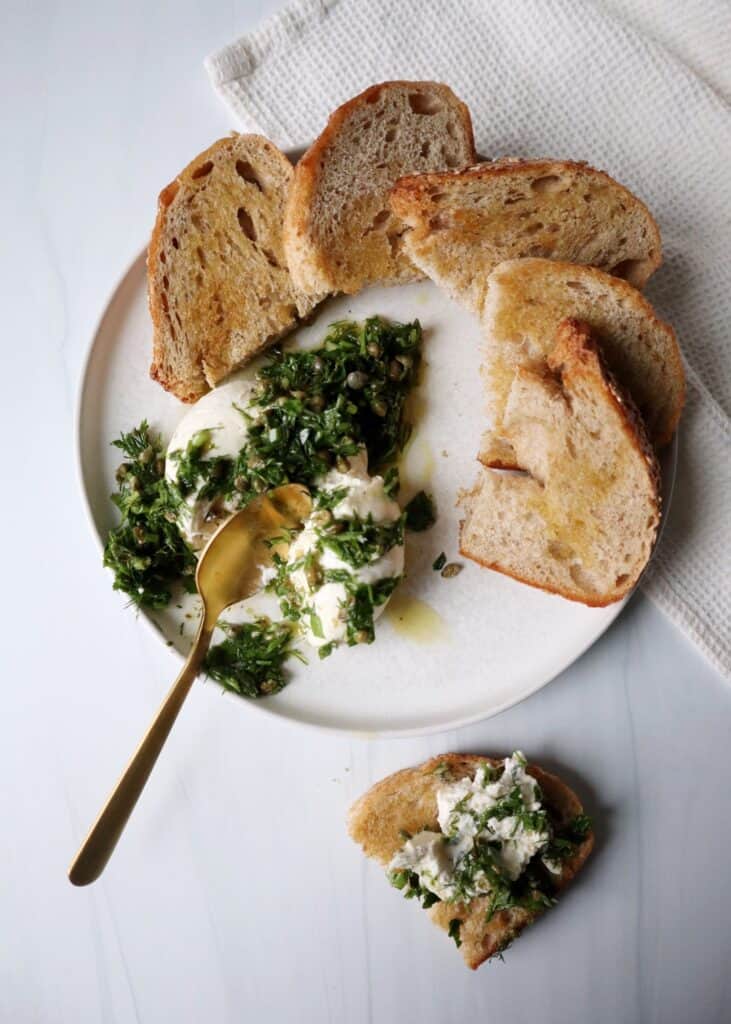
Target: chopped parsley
146, 550
564, 843
439, 562
314, 409
251, 660
420, 512
311, 412
408, 882
454, 927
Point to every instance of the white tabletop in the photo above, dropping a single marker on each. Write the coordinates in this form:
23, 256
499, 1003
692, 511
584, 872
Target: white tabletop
236, 893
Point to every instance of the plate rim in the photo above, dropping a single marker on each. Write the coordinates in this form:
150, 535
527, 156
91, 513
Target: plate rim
258, 706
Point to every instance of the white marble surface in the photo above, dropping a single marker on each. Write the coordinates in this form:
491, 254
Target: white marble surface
236, 894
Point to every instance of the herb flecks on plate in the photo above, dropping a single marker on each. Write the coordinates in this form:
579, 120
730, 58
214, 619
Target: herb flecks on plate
420, 512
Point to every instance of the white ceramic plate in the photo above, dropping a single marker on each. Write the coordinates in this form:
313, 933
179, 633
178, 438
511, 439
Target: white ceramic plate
447, 652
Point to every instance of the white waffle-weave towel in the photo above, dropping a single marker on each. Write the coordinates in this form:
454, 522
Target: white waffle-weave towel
561, 78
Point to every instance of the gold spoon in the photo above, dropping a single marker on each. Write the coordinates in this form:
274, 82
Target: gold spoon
229, 570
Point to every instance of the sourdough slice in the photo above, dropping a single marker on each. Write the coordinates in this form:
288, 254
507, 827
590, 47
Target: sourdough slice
218, 284
463, 224
526, 301
583, 521
406, 801
340, 233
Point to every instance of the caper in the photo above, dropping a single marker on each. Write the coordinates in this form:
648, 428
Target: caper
282, 400
341, 464
379, 407
284, 383
170, 516
147, 455
373, 349
121, 473
317, 403
240, 483
254, 462
313, 576
356, 380
268, 686
451, 569
406, 361
317, 365
134, 484
323, 517
139, 534
395, 370
160, 466
299, 395
201, 439
362, 636
338, 526
324, 456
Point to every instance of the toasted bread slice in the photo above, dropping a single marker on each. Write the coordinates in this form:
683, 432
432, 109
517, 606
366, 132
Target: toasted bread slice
463, 224
407, 801
584, 520
526, 301
219, 288
340, 233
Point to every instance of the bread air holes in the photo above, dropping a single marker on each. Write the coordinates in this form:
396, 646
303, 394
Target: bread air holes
423, 103
633, 271
582, 579
246, 224
439, 222
390, 135
576, 286
204, 170
247, 172
270, 258
379, 221
560, 551
547, 184
425, 149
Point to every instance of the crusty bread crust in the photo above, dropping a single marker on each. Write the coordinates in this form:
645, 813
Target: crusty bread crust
578, 364
463, 223
218, 286
407, 800
311, 261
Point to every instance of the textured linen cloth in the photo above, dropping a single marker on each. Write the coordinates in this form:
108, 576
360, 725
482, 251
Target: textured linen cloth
565, 78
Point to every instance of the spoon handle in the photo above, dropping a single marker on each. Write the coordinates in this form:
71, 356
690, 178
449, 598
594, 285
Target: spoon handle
97, 848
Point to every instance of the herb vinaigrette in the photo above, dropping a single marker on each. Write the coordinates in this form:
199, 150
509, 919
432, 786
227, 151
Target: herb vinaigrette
327, 418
